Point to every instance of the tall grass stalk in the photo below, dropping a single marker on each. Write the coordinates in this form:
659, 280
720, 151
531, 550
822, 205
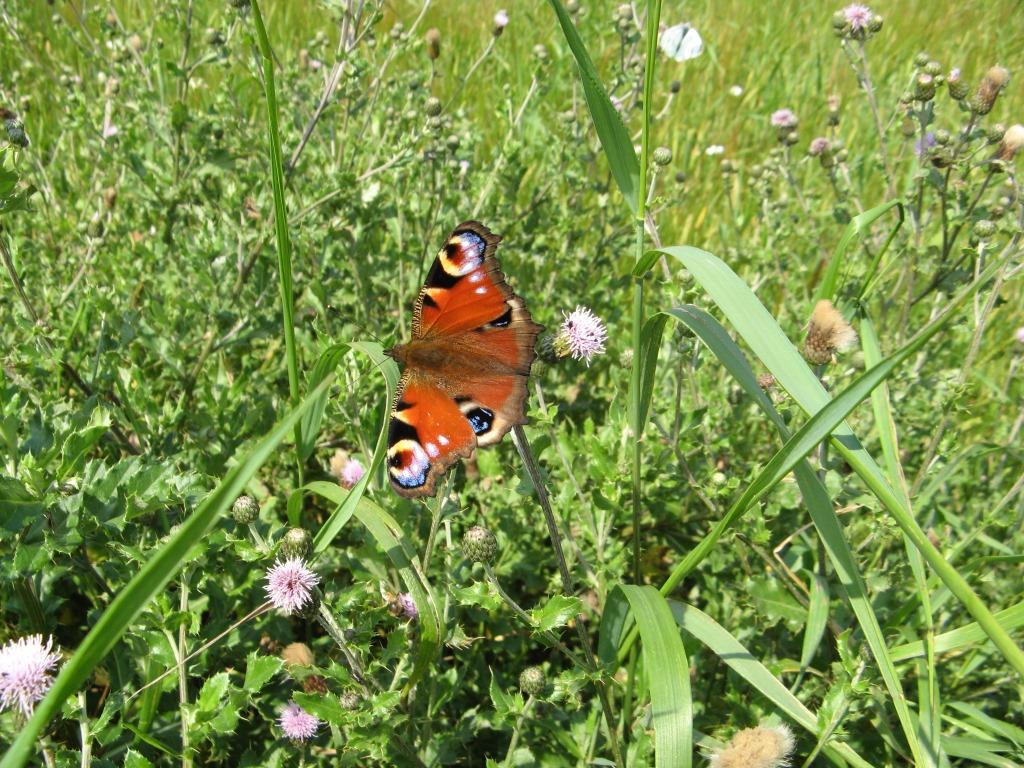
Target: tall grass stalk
284, 244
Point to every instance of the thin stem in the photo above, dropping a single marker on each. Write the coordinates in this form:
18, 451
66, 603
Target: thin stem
520, 721
83, 728
180, 652
284, 246
338, 636
530, 462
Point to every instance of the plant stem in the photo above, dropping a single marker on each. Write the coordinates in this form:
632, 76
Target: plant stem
526, 453
284, 246
516, 731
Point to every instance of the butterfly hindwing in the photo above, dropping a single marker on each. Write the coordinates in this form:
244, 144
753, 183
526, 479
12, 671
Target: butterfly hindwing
466, 368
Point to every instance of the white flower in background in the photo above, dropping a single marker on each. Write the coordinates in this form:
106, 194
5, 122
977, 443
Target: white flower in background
714, 149
681, 42
736, 90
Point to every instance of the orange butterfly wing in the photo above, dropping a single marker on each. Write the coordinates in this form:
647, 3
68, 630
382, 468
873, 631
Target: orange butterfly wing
466, 368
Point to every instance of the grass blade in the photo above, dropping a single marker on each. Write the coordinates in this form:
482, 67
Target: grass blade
819, 506
730, 650
760, 330
859, 225
668, 675
615, 141
151, 579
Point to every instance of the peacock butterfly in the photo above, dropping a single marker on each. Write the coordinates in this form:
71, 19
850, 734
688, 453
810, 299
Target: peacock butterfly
465, 371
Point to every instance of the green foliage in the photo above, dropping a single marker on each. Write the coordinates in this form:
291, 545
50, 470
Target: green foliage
217, 228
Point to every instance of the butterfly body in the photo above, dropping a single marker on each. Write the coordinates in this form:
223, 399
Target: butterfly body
466, 367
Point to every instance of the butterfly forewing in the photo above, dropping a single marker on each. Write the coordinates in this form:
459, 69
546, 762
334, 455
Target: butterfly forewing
467, 366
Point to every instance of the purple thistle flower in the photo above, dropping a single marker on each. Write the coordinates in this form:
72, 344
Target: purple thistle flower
408, 606
1019, 335
819, 146
922, 145
297, 723
501, 19
582, 335
290, 584
858, 16
352, 473
25, 666
784, 118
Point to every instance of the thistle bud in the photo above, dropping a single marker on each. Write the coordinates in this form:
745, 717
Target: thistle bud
296, 543
1011, 144
827, 333
479, 545
349, 700
984, 228
432, 107
245, 510
958, 87
433, 40
662, 156
532, 681
988, 89
924, 87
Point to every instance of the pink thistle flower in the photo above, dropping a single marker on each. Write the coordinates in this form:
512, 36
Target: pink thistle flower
501, 19
784, 118
25, 672
1019, 335
297, 723
290, 584
582, 335
352, 473
819, 146
408, 606
858, 16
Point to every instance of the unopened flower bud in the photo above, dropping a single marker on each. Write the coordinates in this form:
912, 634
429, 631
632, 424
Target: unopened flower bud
432, 107
984, 228
924, 87
532, 681
958, 87
479, 545
296, 543
245, 510
662, 156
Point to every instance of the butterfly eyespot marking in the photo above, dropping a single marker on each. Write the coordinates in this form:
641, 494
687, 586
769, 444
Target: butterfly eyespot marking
504, 320
408, 463
480, 419
462, 254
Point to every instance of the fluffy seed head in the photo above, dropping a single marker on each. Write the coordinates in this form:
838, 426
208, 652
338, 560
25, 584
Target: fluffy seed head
433, 40
759, 747
297, 723
1013, 141
25, 672
582, 335
988, 89
827, 333
290, 584
297, 655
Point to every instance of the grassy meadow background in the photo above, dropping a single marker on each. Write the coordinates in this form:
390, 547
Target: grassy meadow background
146, 384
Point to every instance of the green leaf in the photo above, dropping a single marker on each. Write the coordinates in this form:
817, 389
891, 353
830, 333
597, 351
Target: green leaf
326, 706
133, 759
668, 675
79, 443
346, 507
212, 693
650, 345
556, 612
817, 619
615, 140
259, 669
151, 579
325, 365
506, 704
859, 225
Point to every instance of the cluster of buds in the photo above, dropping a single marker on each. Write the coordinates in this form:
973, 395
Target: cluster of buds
856, 22
14, 127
